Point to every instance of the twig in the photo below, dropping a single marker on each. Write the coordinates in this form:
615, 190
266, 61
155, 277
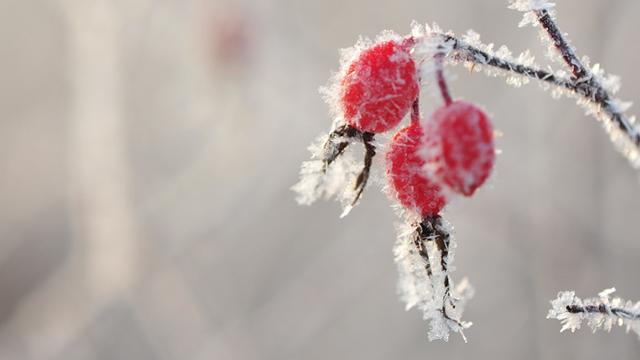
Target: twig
601, 312
568, 55
442, 83
603, 309
587, 87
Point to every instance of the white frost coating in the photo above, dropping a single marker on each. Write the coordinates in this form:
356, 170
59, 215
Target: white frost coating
425, 49
471, 38
427, 293
332, 92
598, 313
336, 182
610, 83
529, 7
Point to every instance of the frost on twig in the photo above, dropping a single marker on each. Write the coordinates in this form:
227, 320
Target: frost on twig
424, 253
529, 7
598, 313
589, 85
333, 168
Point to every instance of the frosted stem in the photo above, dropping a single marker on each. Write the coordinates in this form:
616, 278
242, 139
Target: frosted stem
415, 111
587, 88
442, 82
560, 42
604, 309
602, 312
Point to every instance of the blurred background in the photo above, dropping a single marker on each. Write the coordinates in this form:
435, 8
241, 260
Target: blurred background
147, 148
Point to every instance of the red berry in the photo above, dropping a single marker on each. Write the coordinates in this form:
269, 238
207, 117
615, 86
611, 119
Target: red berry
405, 170
459, 147
379, 87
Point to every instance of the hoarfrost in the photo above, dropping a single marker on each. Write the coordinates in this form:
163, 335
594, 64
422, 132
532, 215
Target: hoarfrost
320, 181
427, 285
424, 51
602, 312
529, 7
332, 90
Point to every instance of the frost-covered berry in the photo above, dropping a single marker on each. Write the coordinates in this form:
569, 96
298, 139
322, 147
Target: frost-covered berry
459, 149
406, 175
379, 87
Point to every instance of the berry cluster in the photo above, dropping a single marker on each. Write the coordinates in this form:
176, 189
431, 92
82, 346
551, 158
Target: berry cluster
448, 153
427, 161
451, 152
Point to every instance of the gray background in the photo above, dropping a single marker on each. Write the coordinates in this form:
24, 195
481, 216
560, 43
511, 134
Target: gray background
145, 210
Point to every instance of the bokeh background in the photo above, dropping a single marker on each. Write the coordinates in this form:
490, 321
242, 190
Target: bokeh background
147, 148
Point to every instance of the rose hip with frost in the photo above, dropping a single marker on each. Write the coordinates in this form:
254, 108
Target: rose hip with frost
459, 150
379, 86
405, 171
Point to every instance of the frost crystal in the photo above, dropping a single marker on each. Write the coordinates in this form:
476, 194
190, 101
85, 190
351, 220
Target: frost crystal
529, 7
425, 281
424, 51
318, 181
598, 313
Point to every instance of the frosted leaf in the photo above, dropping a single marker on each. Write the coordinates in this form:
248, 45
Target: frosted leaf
422, 284
602, 312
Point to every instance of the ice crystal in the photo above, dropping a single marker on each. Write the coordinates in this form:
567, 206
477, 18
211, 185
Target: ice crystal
529, 7
480, 63
318, 181
602, 312
623, 139
422, 284
424, 51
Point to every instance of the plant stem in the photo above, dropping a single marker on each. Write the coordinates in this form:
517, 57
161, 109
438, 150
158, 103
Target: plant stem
415, 110
603, 309
560, 42
587, 88
442, 82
